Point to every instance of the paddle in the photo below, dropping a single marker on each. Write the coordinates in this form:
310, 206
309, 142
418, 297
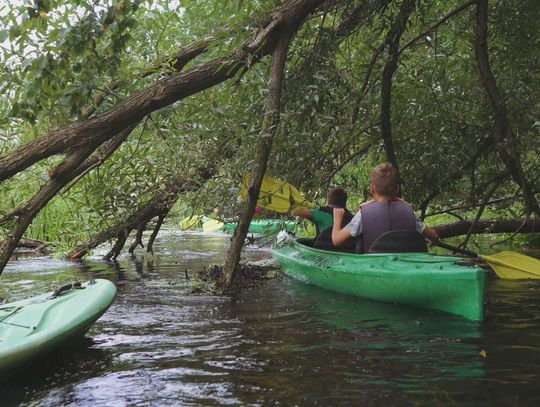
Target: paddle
277, 195
508, 265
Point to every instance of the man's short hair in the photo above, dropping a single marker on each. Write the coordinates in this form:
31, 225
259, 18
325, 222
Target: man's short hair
384, 178
338, 197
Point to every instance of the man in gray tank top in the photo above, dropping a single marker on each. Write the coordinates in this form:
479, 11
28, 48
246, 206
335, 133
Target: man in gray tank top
384, 213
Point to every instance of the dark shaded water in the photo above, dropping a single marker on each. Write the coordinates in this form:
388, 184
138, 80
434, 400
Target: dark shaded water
284, 343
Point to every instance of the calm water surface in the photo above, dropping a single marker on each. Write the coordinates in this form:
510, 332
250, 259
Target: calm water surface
284, 343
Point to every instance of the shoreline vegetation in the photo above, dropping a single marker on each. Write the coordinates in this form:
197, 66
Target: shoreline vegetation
115, 120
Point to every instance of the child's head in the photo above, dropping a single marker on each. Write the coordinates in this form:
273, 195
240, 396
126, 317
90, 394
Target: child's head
338, 197
384, 179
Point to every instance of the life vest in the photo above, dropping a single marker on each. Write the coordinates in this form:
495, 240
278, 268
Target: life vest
324, 238
382, 217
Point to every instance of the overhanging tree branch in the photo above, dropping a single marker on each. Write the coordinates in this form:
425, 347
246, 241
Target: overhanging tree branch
290, 13
393, 37
160, 203
75, 164
442, 20
503, 134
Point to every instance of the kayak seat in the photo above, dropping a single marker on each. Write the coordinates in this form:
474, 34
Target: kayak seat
400, 241
326, 245
306, 241
348, 247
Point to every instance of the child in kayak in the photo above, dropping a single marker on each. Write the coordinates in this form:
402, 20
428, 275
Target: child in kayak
385, 212
322, 217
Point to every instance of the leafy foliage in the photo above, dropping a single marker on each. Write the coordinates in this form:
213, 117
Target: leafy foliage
57, 57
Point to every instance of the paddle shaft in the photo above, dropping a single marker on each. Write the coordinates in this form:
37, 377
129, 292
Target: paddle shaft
458, 250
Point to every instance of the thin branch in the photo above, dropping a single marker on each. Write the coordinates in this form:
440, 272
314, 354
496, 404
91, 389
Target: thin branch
442, 20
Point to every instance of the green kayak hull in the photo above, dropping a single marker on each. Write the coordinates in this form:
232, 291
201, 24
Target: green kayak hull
263, 226
419, 279
35, 326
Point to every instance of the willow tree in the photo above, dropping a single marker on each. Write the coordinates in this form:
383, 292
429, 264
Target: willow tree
122, 109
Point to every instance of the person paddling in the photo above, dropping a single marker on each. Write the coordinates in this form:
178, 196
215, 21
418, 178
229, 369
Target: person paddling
322, 218
384, 213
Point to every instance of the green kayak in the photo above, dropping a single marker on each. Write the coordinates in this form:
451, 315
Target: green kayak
263, 226
35, 326
419, 279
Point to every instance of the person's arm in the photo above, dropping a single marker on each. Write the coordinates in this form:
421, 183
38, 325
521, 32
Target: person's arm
431, 234
302, 212
339, 235
426, 231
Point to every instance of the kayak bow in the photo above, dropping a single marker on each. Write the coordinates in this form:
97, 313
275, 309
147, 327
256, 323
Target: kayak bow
35, 326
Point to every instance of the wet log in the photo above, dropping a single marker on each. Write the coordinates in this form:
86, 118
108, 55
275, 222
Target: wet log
508, 225
33, 244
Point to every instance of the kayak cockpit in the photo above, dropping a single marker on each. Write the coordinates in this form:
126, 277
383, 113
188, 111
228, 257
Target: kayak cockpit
395, 241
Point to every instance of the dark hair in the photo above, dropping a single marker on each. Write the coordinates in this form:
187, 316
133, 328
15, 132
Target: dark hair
338, 197
384, 178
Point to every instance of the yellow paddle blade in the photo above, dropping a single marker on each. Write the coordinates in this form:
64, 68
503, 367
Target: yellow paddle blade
190, 222
276, 195
514, 266
212, 225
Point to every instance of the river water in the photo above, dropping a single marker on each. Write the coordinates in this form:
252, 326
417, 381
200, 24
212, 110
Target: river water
282, 343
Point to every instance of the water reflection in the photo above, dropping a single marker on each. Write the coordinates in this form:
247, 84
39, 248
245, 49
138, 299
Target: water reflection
282, 343
441, 346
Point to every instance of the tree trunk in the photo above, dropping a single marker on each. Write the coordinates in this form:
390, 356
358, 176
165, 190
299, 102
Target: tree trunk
515, 225
160, 203
118, 245
268, 129
502, 133
152, 239
138, 238
73, 166
393, 37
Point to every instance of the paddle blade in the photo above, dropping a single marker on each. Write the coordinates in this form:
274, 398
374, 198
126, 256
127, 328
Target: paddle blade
190, 222
276, 195
513, 266
212, 225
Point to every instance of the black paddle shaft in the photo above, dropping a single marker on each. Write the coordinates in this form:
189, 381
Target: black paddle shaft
457, 249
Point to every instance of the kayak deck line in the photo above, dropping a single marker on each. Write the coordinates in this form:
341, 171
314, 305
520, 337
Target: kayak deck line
18, 308
15, 309
33, 328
